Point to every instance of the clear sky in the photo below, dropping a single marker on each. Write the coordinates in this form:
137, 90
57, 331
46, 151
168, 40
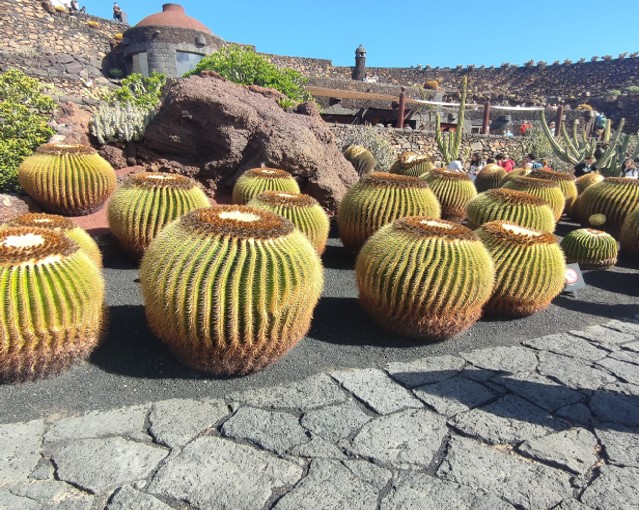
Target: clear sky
411, 32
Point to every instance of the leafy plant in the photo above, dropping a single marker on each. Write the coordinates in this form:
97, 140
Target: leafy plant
614, 93
25, 110
140, 91
633, 89
116, 73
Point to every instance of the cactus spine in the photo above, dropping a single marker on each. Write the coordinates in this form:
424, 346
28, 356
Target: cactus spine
529, 268
547, 190
629, 237
410, 163
449, 143
301, 210
511, 206
454, 190
53, 303
230, 289
361, 158
424, 278
489, 177
590, 248
67, 179
252, 182
146, 203
378, 199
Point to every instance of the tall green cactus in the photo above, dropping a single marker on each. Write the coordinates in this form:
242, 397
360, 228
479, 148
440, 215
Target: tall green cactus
450, 143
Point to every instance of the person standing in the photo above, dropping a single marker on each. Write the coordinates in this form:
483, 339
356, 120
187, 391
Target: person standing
629, 169
117, 12
585, 167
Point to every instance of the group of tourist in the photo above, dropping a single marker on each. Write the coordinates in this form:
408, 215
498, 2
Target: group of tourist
629, 167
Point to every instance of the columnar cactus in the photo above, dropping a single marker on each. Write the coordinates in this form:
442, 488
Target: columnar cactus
60, 224
587, 180
454, 190
378, 199
230, 289
511, 206
590, 248
301, 210
566, 184
361, 158
529, 268
146, 203
424, 278
547, 190
53, 300
607, 204
411, 163
489, 177
629, 236
252, 182
67, 179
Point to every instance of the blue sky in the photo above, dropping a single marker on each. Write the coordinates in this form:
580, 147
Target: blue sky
434, 32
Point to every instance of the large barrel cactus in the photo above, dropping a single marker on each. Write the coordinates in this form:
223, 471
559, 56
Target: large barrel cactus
515, 172
566, 184
529, 268
512, 206
378, 199
301, 210
454, 190
73, 180
605, 205
424, 278
587, 180
547, 190
60, 224
489, 177
590, 248
411, 163
230, 289
629, 236
252, 182
53, 301
146, 203
361, 158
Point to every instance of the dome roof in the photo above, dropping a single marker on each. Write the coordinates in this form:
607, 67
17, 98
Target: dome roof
173, 15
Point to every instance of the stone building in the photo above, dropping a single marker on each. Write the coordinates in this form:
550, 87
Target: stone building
169, 42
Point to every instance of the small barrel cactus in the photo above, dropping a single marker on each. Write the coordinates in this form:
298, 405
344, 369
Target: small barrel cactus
512, 206
252, 182
529, 268
587, 180
378, 199
489, 177
301, 210
146, 203
53, 303
73, 180
590, 248
424, 278
361, 158
606, 204
515, 172
454, 190
411, 163
629, 236
60, 224
547, 190
566, 184
230, 289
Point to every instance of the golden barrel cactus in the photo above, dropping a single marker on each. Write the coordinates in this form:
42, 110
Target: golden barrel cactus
252, 182
72, 180
512, 206
529, 268
361, 158
454, 190
424, 278
301, 210
629, 236
230, 289
590, 248
411, 163
53, 303
587, 180
147, 202
489, 177
547, 190
566, 184
515, 172
379, 198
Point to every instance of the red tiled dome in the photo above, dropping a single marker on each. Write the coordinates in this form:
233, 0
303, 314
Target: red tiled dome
173, 15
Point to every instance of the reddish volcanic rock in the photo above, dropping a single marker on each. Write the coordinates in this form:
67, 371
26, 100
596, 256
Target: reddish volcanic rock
14, 205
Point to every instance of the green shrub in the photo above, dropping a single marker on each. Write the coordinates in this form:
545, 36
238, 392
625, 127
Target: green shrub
243, 65
139, 91
375, 142
24, 113
633, 89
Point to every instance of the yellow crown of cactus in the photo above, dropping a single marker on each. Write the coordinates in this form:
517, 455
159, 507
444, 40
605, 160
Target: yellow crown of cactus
454, 190
301, 210
411, 163
489, 177
512, 206
545, 189
566, 184
590, 248
361, 158
67, 179
146, 203
587, 180
252, 182
379, 198
424, 278
515, 172
613, 199
53, 301
529, 268
230, 289
60, 224
629, 236
93, 24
